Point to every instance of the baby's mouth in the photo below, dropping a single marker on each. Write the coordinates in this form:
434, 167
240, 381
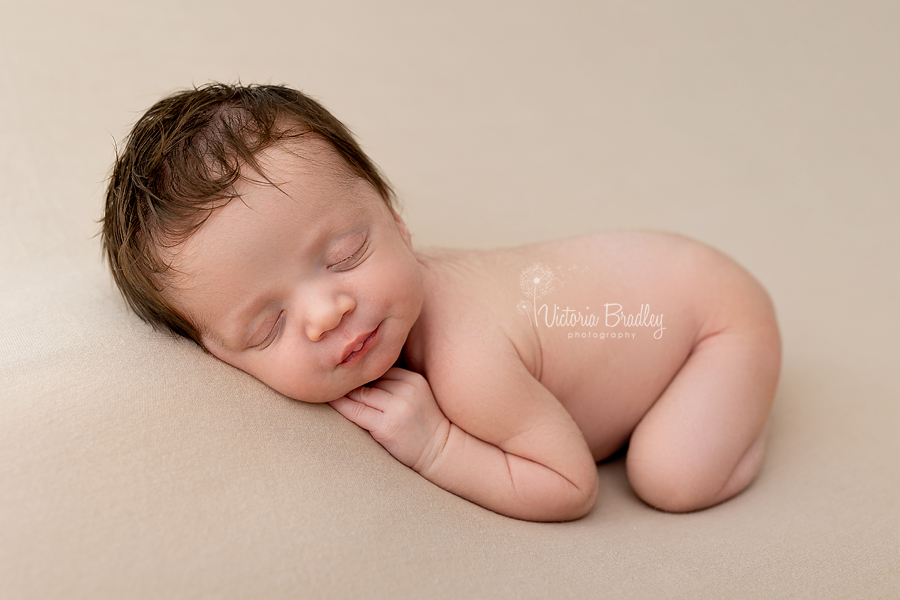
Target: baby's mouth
360, 348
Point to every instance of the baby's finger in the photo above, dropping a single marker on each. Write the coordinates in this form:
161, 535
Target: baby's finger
370, 395
386, 387
397, 374
407, 383
365, 416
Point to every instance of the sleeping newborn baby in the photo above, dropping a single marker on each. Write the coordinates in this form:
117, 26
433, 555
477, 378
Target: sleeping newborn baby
248, 219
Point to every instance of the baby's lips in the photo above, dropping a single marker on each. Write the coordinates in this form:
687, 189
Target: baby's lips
361, 344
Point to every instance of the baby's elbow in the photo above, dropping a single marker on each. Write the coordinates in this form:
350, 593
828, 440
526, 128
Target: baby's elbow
545, 494
576, 501
584, 501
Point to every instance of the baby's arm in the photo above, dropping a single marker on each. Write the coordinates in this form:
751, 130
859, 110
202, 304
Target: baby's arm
520, 454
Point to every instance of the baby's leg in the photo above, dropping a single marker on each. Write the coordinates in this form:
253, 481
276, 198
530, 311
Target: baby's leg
702, 441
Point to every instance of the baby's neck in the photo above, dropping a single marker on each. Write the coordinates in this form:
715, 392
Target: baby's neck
436, 267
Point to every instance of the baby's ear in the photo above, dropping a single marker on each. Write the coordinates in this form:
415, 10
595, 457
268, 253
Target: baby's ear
404, 231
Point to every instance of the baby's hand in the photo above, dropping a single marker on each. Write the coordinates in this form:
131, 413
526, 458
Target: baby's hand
402, 415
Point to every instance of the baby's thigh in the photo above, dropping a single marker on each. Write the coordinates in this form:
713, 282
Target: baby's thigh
702, 441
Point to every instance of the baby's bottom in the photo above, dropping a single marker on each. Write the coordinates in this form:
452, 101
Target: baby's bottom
702, 441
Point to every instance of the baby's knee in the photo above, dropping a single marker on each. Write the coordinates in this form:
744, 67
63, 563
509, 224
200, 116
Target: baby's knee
676, 484
667, 485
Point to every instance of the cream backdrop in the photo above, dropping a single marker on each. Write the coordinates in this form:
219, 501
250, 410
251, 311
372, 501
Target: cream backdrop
133, 466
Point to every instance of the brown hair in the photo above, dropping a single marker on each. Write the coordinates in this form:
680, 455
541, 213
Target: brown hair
180, 163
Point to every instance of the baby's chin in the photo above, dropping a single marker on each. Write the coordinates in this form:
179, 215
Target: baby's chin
341, 386
388, 353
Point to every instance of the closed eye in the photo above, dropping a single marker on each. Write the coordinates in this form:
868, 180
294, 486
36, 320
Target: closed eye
352, 260
273, 333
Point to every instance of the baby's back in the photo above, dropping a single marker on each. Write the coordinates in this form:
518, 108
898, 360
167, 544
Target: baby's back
604, 322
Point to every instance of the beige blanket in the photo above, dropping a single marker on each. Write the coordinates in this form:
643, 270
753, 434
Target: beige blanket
134, 466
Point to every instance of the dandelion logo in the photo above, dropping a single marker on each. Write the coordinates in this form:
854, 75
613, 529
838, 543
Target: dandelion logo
536, 281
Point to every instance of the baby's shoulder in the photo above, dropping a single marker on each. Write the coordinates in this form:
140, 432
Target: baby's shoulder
468, 315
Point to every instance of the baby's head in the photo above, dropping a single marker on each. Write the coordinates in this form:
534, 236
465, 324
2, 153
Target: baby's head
248, 220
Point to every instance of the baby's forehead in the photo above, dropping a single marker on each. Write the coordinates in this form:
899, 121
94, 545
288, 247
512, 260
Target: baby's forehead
309, 155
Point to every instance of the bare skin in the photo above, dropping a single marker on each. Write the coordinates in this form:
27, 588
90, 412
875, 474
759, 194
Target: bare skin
508, 400
693, 401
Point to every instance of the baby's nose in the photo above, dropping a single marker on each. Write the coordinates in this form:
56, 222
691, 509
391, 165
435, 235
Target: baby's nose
328, 317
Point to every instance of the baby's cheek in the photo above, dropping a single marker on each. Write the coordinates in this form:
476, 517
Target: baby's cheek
406, 284
276, 373
307, 391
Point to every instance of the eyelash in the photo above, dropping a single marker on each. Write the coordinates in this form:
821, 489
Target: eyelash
359, 252
273, 333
